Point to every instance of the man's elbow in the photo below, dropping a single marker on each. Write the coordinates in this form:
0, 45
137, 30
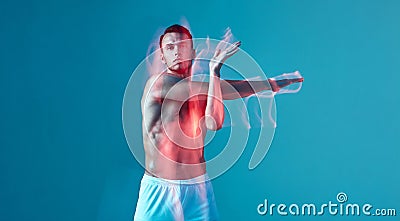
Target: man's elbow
212, 124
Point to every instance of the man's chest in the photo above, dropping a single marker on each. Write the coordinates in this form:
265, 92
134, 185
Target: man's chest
190, 109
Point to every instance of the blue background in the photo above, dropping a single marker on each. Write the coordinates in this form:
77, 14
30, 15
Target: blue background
64, 66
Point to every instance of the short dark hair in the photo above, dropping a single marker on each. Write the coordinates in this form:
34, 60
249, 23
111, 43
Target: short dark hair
176, 28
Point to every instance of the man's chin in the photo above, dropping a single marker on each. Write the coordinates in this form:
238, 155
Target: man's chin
179, 69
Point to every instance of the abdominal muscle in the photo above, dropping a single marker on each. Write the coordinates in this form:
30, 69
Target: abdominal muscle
175, 148
170, 161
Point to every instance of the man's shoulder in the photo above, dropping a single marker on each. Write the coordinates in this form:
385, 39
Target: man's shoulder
155, 85
153, 81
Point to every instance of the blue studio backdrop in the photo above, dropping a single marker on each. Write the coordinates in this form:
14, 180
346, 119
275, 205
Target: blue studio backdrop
64, 66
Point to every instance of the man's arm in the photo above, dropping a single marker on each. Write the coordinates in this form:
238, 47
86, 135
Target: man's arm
234, 89
214, 115
168, 87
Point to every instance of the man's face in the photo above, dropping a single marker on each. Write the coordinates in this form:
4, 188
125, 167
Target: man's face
177, 52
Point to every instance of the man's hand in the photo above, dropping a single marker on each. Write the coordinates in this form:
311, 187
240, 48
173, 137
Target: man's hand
220, 56
276, 85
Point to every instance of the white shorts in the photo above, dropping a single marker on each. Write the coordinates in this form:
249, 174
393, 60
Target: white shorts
176, 200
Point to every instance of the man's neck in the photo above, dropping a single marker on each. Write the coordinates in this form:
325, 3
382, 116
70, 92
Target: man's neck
180, 75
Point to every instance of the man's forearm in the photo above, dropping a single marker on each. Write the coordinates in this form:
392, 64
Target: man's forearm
234, 89
214, 116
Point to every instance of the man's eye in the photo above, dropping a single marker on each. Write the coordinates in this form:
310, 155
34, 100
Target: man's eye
170, 47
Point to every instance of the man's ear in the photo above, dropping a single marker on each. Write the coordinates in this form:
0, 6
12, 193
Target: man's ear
193, 54
162, 56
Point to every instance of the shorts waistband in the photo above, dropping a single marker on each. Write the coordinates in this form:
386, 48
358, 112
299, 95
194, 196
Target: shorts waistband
200, 179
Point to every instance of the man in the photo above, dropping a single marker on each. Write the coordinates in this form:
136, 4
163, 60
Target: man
177, 112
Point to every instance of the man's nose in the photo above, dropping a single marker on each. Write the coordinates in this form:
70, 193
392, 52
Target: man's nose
177, 50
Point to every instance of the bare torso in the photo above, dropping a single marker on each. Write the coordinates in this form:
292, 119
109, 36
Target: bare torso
173, 132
